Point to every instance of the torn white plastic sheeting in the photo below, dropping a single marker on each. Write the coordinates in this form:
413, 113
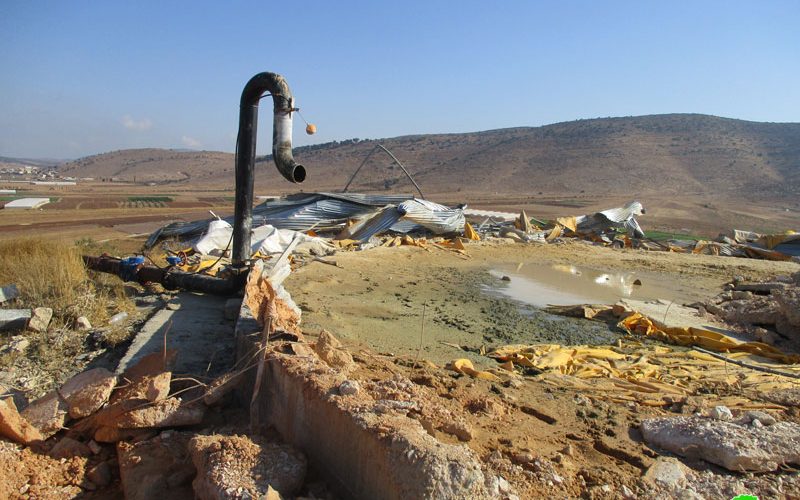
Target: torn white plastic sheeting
265, 239
27, 203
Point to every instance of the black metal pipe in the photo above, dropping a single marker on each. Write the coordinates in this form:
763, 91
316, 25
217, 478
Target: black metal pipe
283, 106
172, 279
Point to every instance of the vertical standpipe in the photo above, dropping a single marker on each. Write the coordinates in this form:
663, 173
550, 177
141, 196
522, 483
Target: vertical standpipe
283, 106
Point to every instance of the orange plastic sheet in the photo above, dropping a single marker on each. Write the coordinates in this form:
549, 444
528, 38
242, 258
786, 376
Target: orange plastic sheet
639, 324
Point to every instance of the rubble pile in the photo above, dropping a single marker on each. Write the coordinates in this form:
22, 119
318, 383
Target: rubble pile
121, 431
768, 310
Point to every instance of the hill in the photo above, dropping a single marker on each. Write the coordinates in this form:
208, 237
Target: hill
675, 154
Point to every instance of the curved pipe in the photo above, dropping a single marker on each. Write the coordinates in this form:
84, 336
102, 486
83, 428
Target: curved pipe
283, 106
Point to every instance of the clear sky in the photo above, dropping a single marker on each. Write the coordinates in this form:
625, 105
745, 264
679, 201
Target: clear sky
85, 77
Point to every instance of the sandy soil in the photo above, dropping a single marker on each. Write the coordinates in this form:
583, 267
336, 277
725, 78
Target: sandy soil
377, 297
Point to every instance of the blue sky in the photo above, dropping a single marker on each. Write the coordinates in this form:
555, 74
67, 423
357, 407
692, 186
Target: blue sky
81, 77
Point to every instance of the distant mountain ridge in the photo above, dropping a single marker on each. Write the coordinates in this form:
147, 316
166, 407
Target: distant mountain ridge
684, 154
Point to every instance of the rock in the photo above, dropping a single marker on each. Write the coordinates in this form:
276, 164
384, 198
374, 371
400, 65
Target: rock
753, 415
789, 305
329, 349
146, 467
100, 474
721, 413
349, 387
167, 413
8, 292
16, 344
14, 427
733, 446
151, 365
68, 447
48, 414
758, 310
95, 447
667, 472
86, 392
231, 308
245, 464
740, 295
766, 336
627, 493
459, 429
82, 323
14, 319
149, 387
40, 319
173, 306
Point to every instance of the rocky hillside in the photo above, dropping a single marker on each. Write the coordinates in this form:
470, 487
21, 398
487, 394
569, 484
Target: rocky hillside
681, 154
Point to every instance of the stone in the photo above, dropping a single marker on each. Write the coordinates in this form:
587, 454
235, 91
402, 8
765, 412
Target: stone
149, 387
16, 344
167, 413
788, 302
459, 429
67, 447
728, 444
173, 306
146, 468
82, 323
151, 365
246, 464
349, 387
627, 493
8, 292
667, 472
100, 474
95, 447
763, 417
231, 308
14, 319
86, 392
14, 427
721, 413
48, 414
329, 349
40, 319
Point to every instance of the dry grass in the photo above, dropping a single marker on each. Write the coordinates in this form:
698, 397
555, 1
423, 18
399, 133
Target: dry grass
51, 274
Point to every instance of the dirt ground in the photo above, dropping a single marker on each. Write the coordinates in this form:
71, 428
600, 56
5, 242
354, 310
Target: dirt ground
537, 434
377, 297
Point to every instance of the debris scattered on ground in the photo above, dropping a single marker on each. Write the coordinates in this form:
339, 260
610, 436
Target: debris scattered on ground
737, 446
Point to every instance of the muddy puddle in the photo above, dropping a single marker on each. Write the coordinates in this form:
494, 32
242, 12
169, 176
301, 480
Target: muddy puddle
540, 285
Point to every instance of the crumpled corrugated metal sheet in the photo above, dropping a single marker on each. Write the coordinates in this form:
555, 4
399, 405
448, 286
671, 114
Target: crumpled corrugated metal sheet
408, 216
325, 211
613, 217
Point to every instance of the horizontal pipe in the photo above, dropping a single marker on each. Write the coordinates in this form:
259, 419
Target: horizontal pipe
169, 278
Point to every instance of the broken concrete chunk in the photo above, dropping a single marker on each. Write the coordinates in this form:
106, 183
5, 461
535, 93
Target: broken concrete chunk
14, 319
349, 387
329, 349
48, 414
14, 427
167, 413
730, 445
68, 447
247, 464
721, 413
148, 468
8, 292
150, 387
40, 319
86, 392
